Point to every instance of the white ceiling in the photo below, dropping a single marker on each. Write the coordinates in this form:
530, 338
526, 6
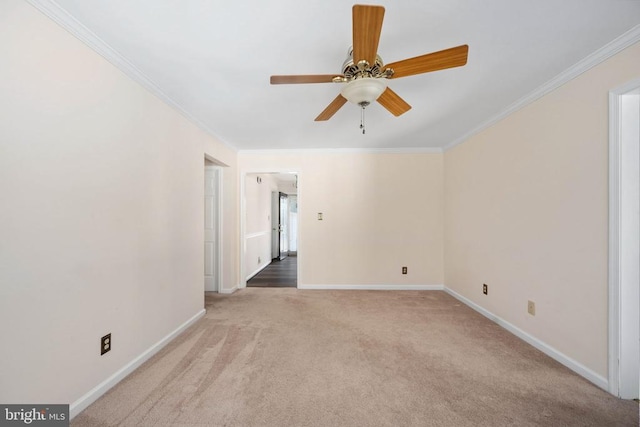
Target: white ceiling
213, 59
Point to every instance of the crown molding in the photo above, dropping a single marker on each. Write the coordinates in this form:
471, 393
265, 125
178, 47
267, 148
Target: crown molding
298, 151
60, 16
617, 45
56, 13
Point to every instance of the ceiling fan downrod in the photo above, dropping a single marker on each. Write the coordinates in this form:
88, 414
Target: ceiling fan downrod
363, 104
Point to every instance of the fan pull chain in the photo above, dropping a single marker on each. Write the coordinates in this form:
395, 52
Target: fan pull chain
362, 120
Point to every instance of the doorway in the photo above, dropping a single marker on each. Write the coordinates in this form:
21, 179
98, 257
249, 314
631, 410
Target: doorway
624, 241
212, 227
268, 227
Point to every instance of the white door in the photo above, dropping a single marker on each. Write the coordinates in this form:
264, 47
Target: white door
293, 224
211, 210
275, 225
284, 226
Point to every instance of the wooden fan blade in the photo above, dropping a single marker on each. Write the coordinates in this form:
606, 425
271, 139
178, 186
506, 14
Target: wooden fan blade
311, 78
448, 58
392, 102
367, 24
332, 108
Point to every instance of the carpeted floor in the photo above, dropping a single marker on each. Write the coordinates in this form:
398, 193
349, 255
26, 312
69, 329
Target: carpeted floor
289, 357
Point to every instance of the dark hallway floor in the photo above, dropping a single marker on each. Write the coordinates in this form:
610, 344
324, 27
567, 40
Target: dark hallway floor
278, 274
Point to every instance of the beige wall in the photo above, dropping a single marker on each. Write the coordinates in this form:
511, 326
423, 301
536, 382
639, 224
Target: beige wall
381, 212
101, 216
526, 212
287, 187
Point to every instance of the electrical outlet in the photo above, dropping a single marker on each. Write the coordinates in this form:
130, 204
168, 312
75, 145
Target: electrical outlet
319, 216
404, 270
531, 308
105, 344
259, 260
485, 289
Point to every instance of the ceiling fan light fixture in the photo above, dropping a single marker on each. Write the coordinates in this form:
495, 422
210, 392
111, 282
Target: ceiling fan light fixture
365, 75
364, 91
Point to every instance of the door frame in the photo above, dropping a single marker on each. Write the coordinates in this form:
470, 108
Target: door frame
617, 305
243, 218
218, 223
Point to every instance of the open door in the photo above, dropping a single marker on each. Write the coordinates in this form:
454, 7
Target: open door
284, 226
279, 225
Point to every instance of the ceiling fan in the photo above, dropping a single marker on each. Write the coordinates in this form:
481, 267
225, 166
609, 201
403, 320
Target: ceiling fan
366, 75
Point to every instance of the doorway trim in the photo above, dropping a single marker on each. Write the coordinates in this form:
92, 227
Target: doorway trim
617, 305
243, 218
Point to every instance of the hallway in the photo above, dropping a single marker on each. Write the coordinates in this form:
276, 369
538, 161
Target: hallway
278, 274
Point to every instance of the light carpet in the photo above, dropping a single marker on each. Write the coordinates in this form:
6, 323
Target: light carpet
289, 357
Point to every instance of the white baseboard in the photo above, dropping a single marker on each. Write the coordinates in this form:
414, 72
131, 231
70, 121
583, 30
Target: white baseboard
79, 405
375, 287
229, 291
260, 268
575, 366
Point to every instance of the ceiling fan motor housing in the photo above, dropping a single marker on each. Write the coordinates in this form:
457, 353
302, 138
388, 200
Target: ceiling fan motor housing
352, 71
